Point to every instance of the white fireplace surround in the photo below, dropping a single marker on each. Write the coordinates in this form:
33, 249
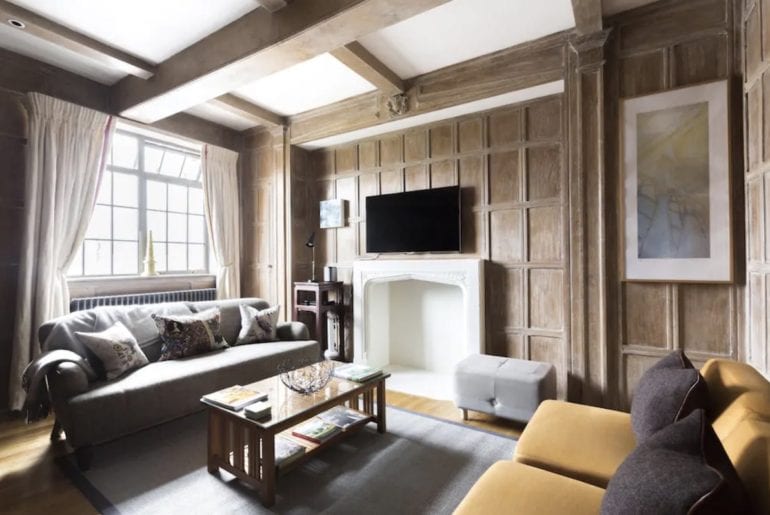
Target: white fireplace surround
466, 274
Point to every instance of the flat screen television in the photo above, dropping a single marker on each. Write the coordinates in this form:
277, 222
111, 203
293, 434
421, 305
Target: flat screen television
415, 221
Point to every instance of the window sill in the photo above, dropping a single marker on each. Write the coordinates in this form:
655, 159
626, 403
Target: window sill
97, 286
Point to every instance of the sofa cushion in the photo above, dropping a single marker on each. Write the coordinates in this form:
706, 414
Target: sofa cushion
668, 391
258, 325
190, 334
230, 321
578, 441
165, 390
698, 477
116, 348
508, 487
59, 333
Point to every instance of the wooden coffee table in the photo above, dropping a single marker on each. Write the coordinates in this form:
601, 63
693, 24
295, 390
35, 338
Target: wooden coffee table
246, 448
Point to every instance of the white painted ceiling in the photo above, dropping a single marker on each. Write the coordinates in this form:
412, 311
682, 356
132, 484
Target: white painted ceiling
464, 29
514, 97
610, 7
313, 83
151, 29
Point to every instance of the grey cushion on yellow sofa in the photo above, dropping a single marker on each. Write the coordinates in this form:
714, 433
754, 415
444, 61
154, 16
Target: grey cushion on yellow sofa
512, 488
578, 441
668, 391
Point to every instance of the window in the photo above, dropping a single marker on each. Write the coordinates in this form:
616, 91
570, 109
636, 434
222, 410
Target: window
151, 183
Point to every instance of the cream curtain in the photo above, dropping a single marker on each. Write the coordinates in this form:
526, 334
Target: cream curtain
220, 188
66, 150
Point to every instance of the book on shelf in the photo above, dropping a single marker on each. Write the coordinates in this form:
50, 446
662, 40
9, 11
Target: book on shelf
234, 397
343, 417
355, 372
258, 410
287, 451
316, 430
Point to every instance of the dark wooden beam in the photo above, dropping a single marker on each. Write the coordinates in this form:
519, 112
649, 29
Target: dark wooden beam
360, 60
588, 16
523, 66
272, 5
43, 28
245, 109
254, 46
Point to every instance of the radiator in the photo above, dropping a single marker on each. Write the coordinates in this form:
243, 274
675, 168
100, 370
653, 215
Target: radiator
82, 303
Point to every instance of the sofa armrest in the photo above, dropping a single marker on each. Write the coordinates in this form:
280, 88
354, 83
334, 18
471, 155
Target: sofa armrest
67, 380
292, 331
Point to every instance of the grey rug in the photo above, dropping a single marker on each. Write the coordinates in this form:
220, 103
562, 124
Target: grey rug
421, 465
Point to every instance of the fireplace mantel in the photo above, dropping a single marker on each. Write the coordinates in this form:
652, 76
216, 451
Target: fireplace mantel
467, 274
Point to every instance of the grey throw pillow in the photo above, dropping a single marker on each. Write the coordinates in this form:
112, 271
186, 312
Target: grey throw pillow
258, 325
668, 391
116, 348
188, 335
681, 469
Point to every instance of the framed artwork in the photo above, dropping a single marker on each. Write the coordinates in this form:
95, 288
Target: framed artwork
676, 185
332, 213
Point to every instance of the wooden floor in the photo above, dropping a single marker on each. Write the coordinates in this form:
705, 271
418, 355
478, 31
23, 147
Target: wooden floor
32, 483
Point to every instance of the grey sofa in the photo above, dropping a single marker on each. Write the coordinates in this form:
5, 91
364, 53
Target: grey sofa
92, 412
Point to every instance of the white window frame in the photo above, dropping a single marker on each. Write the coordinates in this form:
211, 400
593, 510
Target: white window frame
143, 177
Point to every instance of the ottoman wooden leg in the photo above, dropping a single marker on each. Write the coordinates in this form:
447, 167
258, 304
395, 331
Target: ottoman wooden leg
465, 414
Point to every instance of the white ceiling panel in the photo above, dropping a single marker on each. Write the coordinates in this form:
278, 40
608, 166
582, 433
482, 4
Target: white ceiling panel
23, 43
464, 29
610, 7
221, 116
514, 97
151, 29
314, 83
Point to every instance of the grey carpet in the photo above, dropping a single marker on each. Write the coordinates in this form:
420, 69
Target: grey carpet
421, 465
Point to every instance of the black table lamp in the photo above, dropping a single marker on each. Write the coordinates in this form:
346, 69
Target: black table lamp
311, 244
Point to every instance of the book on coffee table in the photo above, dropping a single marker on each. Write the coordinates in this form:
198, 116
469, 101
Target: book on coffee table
258, 410
234, 398
357, 373
287, 451
343, 417
316, 430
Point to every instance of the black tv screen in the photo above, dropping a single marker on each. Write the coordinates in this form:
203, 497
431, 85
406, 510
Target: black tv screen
415, 221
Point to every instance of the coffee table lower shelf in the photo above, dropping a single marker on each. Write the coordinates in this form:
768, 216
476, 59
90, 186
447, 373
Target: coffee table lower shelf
231, 436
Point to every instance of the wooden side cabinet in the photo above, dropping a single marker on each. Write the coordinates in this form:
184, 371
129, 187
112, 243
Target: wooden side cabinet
319, 299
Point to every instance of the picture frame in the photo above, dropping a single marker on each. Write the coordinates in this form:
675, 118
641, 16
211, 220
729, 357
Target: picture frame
332, 213
676, 185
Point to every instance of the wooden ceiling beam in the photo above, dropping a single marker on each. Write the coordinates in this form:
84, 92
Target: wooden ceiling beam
360, 60
60, 35
523, 66
588, 16
245, 109
272, 5
254, 46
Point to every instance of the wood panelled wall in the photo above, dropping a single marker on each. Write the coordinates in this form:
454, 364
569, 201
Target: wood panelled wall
756, 90
510, 164
660, 47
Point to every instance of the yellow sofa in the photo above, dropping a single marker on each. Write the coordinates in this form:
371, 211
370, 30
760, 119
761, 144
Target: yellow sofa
568, 452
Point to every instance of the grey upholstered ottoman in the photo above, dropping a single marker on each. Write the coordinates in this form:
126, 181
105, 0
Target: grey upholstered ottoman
505, 387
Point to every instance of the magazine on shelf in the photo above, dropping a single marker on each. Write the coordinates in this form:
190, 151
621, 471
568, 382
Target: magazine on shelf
258, 410
316, 430
235, 397
343, 417
287, 451
355, 372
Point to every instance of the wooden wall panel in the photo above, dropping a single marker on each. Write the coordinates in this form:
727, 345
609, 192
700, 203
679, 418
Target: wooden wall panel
659, 47
756, 102
509, 164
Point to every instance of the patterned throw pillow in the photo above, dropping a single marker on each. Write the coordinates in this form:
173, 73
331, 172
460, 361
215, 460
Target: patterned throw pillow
117, 349
188, 335
256, 325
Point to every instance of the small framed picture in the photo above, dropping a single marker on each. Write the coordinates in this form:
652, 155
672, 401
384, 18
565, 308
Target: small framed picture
676, 185
332, 213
